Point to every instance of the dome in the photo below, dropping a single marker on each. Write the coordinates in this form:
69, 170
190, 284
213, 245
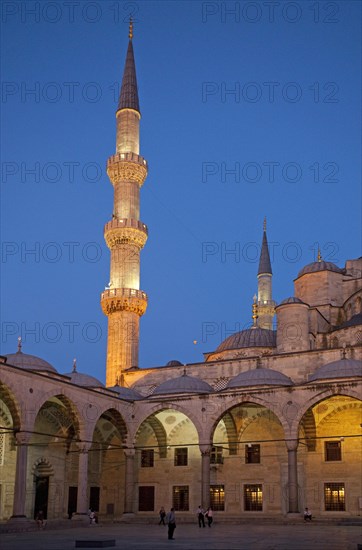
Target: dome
128, 394
320, 266
343, 368
85, 380
259, 377
291, 300
183, 384
250, 338
174, 363
29, 362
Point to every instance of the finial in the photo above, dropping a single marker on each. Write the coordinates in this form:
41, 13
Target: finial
117, 381
74, 365
343, 352
319, 257
19, 344
255, 311
264, 224
130, 32
184, 374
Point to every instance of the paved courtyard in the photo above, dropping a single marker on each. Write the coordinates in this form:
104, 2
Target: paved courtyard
190, 537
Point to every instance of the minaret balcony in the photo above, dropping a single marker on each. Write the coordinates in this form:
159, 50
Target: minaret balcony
124, 299
127, 167
125, 231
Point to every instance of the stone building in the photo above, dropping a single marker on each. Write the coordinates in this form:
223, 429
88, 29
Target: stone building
266, 424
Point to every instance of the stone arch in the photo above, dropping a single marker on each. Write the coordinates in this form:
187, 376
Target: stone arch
341, 408
8, 397
69, 404
42, 467
309, 426
159, 432
240, 400
115, 418
323, 395
158, 407
231, 433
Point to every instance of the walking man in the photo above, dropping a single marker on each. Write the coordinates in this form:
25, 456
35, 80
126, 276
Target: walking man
171, 520
200, 516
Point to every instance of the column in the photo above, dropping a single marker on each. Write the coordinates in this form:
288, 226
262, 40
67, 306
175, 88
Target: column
82, 494
22, 441
292, 445
205, 476
129, 481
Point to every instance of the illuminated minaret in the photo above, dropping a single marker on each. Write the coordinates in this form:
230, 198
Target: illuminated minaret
265, 303
123, 301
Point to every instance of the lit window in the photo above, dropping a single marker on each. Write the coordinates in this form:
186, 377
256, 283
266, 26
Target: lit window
217, 497
147, 457
334, 497
332, 451
253, 498
252, 454
180, 497
181, 456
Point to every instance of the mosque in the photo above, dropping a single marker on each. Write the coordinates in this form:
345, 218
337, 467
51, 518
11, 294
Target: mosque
266, 424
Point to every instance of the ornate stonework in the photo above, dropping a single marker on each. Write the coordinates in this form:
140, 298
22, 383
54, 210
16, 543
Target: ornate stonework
124, 299
125, 231
124, 167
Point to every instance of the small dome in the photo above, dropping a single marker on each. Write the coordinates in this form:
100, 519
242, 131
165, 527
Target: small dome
250, 338
29, 362
84, 380
320, 266
259, 377
343, 368
291, 300
128, 394
174, 363
183, 384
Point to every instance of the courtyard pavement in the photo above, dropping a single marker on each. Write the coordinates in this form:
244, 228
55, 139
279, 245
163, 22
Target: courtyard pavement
303, 536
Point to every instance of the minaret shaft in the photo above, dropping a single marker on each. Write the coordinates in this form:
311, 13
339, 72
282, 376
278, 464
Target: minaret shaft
265, 304
123, 301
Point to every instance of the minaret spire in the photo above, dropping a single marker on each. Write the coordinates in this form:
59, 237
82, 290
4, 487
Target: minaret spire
265, 304
122, 300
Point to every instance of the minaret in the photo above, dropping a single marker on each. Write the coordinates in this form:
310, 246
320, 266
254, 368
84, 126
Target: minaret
123, 301
266, 305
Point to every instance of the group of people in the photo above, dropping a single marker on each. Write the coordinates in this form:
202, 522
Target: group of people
170, 519
201, 515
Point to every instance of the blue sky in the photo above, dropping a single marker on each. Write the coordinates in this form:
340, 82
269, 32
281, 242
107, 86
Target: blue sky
246, 113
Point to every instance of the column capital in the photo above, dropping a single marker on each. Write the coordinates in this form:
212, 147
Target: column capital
205, 449
83, 448
291, 444
129, 452
22, 438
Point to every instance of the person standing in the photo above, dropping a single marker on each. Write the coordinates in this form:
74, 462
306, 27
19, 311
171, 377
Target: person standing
307, 515
162, 516
171, 520
200, 516
209, 516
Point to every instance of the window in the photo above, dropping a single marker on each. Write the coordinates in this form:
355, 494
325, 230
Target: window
253, 498
334, 499
217, 497
252, 454
180, 497
216, 455
332, 450
181, 456
146, 499
94, 499
147, 456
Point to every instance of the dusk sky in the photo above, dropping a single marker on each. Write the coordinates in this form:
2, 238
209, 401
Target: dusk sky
249, 109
